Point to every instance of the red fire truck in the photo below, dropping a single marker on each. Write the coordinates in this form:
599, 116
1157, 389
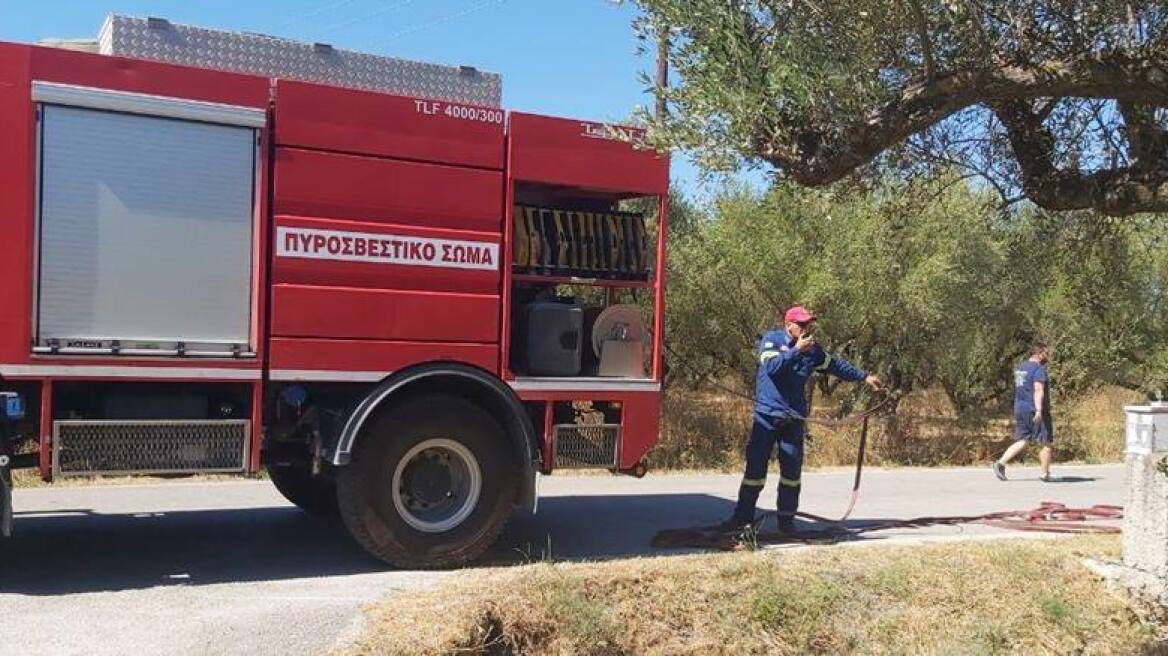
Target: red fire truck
404, 306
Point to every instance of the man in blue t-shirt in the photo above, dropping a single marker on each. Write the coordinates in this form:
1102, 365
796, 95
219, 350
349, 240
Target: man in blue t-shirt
1032, 421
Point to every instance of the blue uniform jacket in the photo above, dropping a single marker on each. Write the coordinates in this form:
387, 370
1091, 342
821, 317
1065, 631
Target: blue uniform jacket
783, 372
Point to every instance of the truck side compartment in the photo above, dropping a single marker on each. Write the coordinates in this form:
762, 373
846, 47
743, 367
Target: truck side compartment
388, 229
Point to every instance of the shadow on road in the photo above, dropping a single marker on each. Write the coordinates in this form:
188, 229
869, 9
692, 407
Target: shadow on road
1072, 479
79, 551
603, 527
75, 551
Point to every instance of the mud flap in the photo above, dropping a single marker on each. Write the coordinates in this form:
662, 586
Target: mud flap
5, 490
11, 409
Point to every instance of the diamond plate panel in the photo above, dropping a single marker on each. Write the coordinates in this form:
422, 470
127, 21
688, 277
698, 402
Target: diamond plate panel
585, 446
86, 448
267, 56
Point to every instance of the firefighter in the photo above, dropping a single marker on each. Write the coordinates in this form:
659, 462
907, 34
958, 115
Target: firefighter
787, 358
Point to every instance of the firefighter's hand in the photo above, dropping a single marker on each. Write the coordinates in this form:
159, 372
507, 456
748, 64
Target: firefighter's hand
805, 343
874, 382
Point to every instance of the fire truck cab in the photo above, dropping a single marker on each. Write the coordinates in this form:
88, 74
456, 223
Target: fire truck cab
225, 253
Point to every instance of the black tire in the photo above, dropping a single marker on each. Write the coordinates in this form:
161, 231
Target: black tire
315, 495
365, 489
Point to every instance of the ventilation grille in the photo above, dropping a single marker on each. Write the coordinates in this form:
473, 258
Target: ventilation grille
86, 448
586, 446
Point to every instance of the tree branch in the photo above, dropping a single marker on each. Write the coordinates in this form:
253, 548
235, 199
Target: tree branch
1117, 192
981, 172
1117, 150
923, 35
828, 154
1146, 140
983, 39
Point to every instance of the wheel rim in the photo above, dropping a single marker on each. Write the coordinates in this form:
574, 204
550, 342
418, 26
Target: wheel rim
436, 485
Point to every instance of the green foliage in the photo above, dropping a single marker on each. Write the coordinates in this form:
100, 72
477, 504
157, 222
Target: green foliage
585, 620
1035, 96
1055, 607
1102, 301
927, 284
774, 606
762, 74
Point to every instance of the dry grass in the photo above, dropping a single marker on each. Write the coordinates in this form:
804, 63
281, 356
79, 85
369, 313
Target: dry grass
702, 430
1014, 596
1094, 424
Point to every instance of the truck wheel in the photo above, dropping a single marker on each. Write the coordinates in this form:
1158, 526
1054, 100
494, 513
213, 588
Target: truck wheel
315, 495
430, 484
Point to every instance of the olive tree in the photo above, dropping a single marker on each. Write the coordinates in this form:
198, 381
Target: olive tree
1061, 102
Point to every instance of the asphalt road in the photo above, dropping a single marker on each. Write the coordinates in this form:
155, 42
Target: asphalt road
230, 568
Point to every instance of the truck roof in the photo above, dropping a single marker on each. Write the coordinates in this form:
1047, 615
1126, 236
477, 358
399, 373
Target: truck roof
158, 39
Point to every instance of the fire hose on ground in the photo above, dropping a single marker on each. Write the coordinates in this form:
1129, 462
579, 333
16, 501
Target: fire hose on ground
1048, 517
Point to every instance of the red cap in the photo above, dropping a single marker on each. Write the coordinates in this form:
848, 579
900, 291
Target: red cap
799, 314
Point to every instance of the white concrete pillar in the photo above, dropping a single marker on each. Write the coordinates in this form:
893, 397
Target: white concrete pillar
1145, 514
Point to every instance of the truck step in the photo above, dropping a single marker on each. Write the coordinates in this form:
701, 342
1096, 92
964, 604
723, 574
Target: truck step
92, 447
586, 446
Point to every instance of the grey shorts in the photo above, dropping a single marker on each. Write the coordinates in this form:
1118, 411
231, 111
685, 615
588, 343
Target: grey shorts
1038, 432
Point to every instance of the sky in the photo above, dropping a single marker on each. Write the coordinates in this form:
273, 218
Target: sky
574, 58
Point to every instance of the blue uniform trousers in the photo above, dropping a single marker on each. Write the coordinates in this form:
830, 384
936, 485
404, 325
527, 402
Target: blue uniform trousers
765, 434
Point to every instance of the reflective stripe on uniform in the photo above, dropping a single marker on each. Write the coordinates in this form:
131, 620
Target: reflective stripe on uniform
767, 355
789, 482
826, 363
754, 482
